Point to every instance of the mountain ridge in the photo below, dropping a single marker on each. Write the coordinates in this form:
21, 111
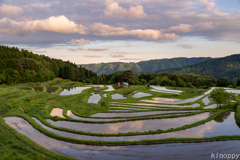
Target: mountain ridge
142, 66
224, 67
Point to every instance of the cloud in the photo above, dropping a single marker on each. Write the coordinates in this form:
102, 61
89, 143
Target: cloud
72, 49
92, 56
204, 25
53, 24
80, 41
184, 28
186, 46
106, 30
133, 12
81, 48
98, 49
117, 55
6, 10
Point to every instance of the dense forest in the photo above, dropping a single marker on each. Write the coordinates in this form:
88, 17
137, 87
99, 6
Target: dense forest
20, 66
226, 67
143, 66
164, 79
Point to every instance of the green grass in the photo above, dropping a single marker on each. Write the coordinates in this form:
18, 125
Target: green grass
237, 114
15, 146
29, 103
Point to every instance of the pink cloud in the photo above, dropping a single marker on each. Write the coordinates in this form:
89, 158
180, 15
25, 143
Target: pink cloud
92, 56
53, 24
133, 12
97, 49
80, 41
81, 48
182, 28
72, 49
6, 10
106, 30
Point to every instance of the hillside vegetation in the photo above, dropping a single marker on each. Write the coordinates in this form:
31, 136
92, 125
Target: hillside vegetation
226, 67
20, 66
143, 66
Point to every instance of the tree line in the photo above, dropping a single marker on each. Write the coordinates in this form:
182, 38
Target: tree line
20, 66
165, 79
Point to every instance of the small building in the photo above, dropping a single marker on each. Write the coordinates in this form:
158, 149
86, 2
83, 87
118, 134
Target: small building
96, 88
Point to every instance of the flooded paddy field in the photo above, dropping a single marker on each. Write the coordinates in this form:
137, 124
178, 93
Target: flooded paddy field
139, 113
72, 90
133, 127
94, 98
52, 90
201, 150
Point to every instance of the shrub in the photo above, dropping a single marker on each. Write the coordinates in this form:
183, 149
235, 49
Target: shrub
103, 104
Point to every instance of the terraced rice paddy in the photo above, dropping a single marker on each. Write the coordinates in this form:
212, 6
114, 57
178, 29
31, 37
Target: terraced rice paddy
72, 90
77, 126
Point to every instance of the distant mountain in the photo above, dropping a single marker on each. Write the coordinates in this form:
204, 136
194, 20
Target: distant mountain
143, 66
226, 67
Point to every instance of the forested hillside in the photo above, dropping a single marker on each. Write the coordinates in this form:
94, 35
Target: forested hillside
226, 67
20, 66
143, 66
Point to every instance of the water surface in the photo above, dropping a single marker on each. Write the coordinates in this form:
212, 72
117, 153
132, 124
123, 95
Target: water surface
138, 113
167, 151
72, 90
141, 94
52, 90
94, 98
118, 96
131, 126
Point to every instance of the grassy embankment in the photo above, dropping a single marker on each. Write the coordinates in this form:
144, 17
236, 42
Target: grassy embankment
28, 103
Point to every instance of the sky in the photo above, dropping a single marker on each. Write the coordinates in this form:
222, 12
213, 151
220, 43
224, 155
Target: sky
101, 31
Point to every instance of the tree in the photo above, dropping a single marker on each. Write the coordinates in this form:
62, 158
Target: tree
238, 82
127, 76
143, 81
220, 96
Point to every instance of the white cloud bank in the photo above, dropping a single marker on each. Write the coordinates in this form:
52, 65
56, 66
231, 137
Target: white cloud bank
59, 24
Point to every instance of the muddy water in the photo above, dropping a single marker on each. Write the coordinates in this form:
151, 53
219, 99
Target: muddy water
94, 98
165, 151
57, 112
72, 90
137, 113
131, 126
